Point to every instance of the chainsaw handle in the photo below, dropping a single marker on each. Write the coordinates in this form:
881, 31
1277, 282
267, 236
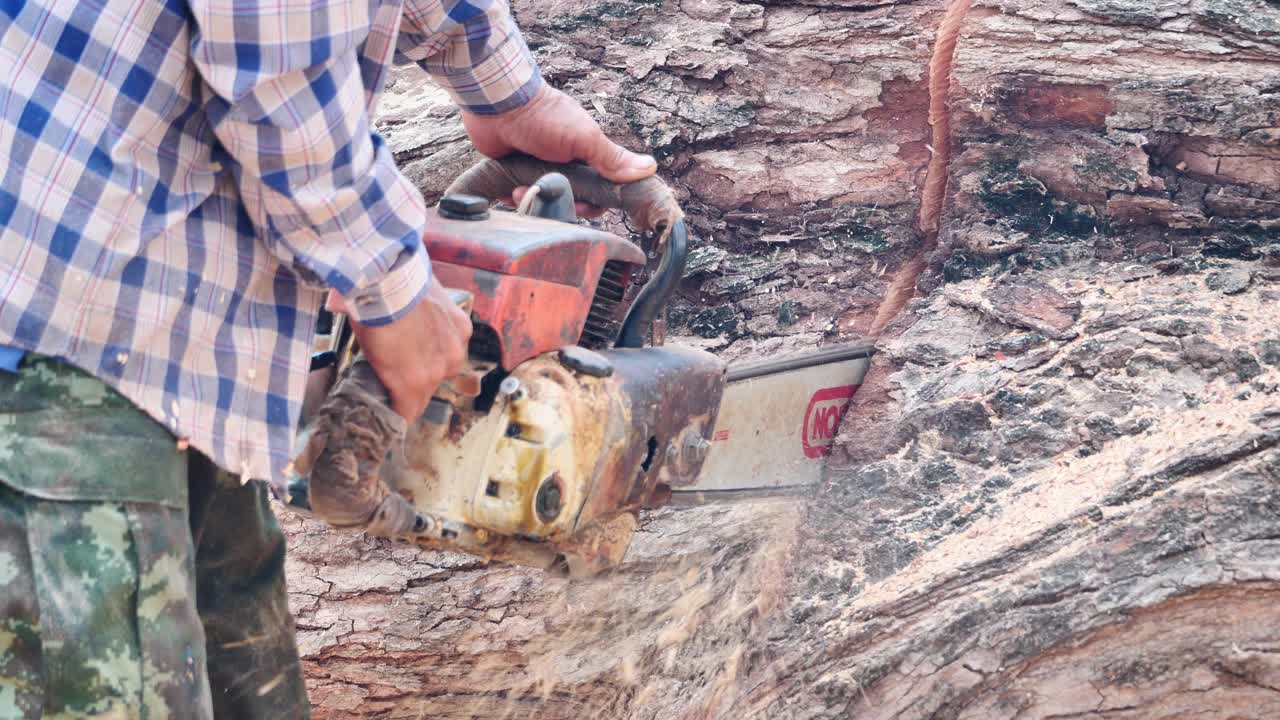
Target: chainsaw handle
649, 203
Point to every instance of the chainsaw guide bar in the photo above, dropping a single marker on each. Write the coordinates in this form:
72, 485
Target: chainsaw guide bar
776, 424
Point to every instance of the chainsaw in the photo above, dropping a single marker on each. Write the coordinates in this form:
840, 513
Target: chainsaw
568, 420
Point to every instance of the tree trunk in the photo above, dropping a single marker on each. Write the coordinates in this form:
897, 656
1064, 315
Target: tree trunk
1058, 492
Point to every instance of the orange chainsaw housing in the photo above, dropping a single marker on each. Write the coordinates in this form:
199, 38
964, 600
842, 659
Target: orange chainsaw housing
538, 285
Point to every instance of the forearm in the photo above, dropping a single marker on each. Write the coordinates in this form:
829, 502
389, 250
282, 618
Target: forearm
473, 50
321, 188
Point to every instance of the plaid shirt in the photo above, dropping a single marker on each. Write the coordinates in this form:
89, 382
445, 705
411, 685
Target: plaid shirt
183, 179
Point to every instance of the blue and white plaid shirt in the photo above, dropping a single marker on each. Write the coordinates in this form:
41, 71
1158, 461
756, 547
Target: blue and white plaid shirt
183, 179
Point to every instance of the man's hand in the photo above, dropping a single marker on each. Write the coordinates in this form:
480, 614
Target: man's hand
416, 353
554, 127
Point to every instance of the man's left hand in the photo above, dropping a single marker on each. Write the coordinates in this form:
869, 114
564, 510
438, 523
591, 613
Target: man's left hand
554, 127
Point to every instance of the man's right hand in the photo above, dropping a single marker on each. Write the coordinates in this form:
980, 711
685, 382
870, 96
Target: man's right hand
416, 353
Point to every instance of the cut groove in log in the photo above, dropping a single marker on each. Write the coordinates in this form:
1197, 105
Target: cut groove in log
934, 191
944, 50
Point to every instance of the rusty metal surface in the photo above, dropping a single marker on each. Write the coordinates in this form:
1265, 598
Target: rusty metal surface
554, 470
551, 471
547, 464
659, 420
671, 395
534, 280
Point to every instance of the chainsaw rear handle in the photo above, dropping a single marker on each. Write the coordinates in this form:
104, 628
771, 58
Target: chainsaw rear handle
649, 203
349, 433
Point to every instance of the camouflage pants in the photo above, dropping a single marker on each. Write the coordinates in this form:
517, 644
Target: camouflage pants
136, 580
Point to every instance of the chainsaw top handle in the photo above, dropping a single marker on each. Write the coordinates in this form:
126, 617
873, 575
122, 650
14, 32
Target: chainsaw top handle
649, 203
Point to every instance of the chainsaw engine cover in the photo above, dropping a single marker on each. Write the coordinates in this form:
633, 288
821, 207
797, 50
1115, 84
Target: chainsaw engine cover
538, 285
554, 470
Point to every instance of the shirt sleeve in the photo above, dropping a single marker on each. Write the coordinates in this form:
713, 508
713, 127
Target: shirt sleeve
287, 102
473, 49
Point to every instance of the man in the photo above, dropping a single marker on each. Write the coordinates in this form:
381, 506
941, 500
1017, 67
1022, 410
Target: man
183, 181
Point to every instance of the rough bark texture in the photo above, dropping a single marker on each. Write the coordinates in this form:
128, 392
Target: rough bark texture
1058, 494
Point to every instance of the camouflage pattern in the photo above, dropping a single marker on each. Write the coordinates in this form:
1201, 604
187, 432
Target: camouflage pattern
117, 550
65, 435
99, 612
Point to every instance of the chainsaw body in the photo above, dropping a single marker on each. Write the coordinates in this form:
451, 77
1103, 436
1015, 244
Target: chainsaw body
542, 451
567, 420
554, 468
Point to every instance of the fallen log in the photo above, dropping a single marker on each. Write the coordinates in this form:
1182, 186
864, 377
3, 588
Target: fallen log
1058, 492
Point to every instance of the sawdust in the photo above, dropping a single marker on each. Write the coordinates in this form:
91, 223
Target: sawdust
677, 622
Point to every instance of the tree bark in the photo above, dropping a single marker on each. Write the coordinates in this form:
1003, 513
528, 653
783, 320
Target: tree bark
1058, 492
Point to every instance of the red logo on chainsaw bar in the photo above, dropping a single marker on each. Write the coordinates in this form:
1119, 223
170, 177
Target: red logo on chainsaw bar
821, 421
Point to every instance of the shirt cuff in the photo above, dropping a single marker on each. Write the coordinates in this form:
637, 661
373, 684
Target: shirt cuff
506, 79
398, 292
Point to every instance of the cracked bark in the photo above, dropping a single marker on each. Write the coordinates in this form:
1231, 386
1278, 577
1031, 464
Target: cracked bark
1057, 495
